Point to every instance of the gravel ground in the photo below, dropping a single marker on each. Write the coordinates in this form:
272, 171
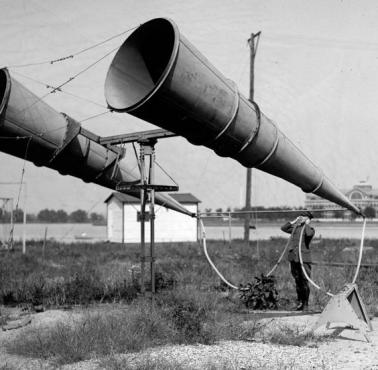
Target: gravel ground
348, 350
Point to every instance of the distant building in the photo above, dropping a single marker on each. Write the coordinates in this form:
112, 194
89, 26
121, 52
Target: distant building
362, 195
123, 220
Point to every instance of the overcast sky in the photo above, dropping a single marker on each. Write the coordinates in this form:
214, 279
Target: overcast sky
316, 77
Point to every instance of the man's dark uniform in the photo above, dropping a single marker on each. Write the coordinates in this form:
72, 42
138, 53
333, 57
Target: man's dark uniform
302, 287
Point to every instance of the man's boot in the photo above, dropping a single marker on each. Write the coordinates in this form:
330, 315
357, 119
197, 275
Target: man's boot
300, 306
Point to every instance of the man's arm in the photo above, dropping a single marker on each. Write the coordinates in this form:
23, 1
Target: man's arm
287, 228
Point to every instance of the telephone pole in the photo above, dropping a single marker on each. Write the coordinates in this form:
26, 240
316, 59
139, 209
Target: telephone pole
253, 42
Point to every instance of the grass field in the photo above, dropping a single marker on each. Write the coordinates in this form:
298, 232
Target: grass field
191, 306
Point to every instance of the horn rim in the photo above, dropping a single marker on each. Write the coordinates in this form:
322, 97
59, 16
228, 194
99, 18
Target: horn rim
164, 75
5, 92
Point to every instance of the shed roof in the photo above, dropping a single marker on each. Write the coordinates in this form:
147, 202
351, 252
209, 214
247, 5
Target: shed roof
184, 198
123, 198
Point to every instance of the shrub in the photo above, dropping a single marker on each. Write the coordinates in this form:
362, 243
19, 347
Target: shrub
261, 294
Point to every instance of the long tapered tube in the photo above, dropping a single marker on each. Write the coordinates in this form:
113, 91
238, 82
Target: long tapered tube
159, 76
56, 141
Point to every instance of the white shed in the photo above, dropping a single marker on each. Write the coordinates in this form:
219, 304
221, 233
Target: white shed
123, 220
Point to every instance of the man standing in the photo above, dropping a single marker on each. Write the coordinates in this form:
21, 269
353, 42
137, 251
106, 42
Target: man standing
294, 228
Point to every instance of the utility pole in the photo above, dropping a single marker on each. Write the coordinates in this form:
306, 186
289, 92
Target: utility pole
253, 42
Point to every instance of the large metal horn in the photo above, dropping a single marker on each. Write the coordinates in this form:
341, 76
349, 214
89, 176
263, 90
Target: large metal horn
159, 76
57, 141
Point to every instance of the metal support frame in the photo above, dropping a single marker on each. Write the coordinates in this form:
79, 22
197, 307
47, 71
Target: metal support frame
346, 307
147, 187
147, 192
135, 137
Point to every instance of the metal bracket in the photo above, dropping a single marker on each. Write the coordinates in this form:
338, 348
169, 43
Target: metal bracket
73, 129
136, 137
160, 188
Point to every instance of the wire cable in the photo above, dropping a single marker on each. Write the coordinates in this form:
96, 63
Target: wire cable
71, 56
96, 115
166, 172
60, 90
11, 233
74, 225
55, 89
14, 137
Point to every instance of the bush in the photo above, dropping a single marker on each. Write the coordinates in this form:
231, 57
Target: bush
261, 294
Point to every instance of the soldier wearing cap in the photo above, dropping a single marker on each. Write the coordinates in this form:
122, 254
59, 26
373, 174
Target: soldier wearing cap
294, 228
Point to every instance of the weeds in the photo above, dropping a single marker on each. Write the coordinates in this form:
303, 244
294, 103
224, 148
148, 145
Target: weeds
87, 273
289, 336
102, 334
192, 313
189, 308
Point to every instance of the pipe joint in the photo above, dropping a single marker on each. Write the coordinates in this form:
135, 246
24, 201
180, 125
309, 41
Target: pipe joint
230, 121
256, 130
272, 151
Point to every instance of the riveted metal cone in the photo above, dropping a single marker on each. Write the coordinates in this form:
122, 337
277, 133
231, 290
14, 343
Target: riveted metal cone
159, 76
56, 141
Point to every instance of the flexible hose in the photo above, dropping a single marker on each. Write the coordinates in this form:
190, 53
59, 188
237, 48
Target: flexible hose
361, 250
210, 261
215, 268
281, 256
358, 263
304, 270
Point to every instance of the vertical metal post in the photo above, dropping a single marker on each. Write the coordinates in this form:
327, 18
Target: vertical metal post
142, 221
152, 221
248, 194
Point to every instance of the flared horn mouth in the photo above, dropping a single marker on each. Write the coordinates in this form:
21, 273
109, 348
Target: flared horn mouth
57, 141
143, 63
159, 76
